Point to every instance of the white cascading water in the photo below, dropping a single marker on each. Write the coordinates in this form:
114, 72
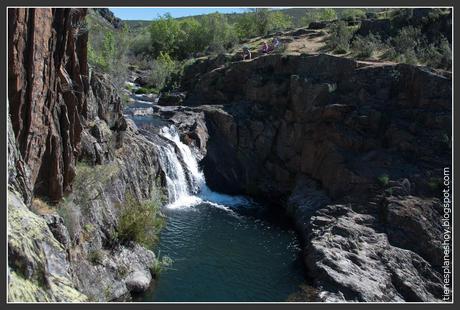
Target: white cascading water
196, 177
185, 182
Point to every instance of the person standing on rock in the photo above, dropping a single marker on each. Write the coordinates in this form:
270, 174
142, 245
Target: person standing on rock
246, 53
275, 43
265, 48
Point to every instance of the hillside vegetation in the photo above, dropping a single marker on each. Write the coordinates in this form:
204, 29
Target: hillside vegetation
163, 47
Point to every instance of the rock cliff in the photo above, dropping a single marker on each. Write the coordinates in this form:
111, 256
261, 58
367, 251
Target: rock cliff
66, 120
353, 150
341, 122
48, 89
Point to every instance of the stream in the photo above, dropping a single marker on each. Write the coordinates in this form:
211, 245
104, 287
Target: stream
224, 248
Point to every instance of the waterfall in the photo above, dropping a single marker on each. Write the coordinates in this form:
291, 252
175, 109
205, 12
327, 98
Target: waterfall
185, 181
195, 176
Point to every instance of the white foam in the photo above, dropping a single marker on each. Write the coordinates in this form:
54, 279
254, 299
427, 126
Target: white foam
185, 202
224, 199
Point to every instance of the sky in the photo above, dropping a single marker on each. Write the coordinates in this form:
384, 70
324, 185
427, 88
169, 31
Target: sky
152, 13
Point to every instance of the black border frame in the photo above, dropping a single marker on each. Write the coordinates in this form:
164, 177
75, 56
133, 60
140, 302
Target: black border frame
216, 3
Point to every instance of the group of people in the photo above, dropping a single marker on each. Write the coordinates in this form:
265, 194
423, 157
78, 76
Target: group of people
265, 48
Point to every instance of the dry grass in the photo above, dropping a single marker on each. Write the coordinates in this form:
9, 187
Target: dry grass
40, 207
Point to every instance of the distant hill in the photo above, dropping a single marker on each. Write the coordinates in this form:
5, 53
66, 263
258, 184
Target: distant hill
137, 24
295, 13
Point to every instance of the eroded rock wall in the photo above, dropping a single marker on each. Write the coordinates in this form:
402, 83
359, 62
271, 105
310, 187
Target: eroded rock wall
48, 89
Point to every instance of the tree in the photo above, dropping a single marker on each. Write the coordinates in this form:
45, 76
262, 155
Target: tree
352, 13
259, 22
190, 38
162, 69
164, 34
313, 15
245, 27
218, 33
279, 21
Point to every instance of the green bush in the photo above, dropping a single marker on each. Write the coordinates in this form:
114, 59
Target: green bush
339, 38
107, 49
437, 55
96, 257
408, 57
352, 13
159, 264
214, 35
445, 49
315, 15
412, 47
146, 90
141, 44
182, 38
140, 222
407, 40
162, 70
365, 47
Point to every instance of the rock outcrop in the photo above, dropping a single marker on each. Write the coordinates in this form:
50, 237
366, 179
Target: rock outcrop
341, 122
353, 150
352, 257
109, 17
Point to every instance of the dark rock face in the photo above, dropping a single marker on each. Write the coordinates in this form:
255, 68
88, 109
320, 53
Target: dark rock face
105, 123
336, 120
319, 132
107, 106
200, 67
47, 87
318, 25
171, 99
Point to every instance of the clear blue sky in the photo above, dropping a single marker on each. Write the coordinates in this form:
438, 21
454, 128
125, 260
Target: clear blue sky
152, 13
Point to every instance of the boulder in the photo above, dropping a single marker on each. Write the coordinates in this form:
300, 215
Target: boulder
138, 281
